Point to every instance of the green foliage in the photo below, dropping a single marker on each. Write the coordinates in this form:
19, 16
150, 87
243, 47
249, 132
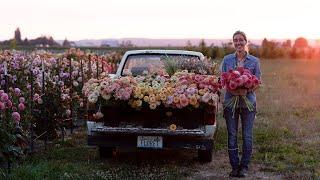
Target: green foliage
13, 140
13, 44
170, 65
51, 100
10, 135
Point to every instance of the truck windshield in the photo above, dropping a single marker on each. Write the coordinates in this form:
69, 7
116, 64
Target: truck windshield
165, 64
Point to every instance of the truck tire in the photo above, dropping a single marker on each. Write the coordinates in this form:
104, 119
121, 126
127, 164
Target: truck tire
205, 155
106, 152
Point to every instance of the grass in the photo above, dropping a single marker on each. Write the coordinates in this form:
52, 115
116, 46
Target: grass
92, 170
287, 132
286, 137
74, 160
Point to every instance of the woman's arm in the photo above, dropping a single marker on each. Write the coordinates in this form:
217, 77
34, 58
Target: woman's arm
257, 73
223, 67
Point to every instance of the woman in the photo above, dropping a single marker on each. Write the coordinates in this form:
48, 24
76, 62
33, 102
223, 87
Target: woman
241, 58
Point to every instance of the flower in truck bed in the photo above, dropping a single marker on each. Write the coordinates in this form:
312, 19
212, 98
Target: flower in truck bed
182, 89
98, 115
93, 97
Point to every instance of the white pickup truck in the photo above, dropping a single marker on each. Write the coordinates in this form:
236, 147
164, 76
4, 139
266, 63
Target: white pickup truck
128, 128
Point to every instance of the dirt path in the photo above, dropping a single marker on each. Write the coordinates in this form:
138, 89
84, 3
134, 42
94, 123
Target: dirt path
219, 168
186, 161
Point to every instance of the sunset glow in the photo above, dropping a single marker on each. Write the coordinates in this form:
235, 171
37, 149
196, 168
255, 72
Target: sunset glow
94, 19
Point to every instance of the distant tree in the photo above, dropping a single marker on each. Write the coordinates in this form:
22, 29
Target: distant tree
227, 48
300, 43
264, 46
203, 48
126, 44
189, 46
44, 41
202, 43
40, 41
271, 49
25, 42
189, 43
51, 41
301, 49
17, 35
254, 50
216, 52
286, 44
66, 43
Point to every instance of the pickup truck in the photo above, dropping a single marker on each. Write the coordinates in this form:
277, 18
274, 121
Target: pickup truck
160, 128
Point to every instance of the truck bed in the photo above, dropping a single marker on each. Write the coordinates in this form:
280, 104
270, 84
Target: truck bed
162, 118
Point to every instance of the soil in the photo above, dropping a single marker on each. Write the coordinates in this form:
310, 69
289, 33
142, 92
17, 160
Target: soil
187, 161
220, 168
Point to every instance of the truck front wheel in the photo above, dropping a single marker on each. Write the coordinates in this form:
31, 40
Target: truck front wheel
205, 155
106, 152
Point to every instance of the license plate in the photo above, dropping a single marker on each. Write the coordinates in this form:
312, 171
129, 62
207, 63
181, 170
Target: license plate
149, 142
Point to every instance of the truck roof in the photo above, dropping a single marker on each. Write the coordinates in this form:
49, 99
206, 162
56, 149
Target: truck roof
160, 51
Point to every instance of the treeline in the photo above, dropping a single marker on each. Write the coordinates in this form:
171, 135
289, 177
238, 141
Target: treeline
267, 49
42, 41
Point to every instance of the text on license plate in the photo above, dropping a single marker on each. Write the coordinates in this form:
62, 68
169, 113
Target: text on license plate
149, 142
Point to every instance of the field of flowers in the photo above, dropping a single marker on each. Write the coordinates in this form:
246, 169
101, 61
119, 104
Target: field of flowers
41, 93
286, 132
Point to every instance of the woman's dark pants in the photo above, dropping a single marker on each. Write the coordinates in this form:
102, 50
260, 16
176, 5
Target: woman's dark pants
247, 118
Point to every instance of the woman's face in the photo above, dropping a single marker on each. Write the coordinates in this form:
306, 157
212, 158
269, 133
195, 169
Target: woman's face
239, 42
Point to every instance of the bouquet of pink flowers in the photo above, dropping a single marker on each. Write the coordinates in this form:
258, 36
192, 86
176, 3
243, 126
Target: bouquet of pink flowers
238, 82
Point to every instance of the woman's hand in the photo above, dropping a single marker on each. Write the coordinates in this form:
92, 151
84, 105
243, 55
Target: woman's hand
255, 88
239, 92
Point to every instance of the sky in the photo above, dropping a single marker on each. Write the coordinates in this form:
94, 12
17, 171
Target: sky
211, 19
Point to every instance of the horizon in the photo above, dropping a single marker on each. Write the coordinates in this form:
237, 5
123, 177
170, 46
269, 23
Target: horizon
121, 19
178, 42
155, 38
